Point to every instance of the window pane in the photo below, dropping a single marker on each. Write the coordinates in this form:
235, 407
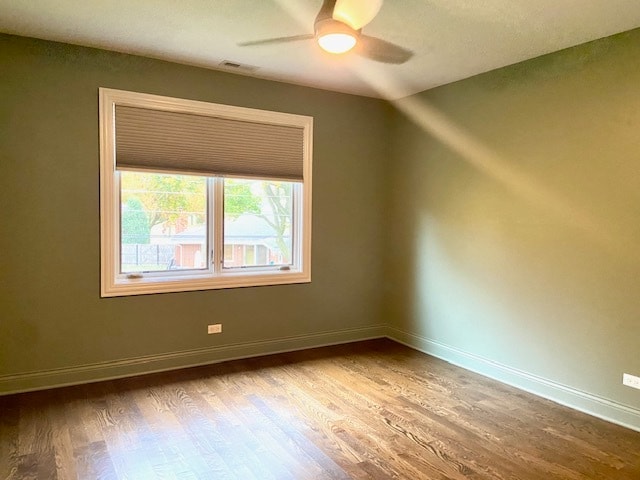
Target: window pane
163, 222
258, 217
228, 253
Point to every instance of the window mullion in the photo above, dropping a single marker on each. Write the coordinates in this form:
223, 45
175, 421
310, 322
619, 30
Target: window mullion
117, 223
217, 224
296, 228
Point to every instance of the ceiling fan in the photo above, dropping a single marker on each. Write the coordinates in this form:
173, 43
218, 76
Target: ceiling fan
338, 29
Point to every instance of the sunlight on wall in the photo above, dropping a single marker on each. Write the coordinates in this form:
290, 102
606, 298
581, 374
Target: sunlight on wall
490, 162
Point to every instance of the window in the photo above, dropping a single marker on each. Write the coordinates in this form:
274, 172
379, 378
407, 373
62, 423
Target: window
198, 196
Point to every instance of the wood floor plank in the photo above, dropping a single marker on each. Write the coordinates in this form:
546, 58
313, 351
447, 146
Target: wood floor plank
368, 410
208, 443
236, 444
9, 437
173, 452
61, 442
264, 439
95, 462
388, 431
301, 442
326, 427
122, 438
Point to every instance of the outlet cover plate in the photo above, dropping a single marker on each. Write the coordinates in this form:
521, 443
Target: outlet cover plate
216, 328
631, 380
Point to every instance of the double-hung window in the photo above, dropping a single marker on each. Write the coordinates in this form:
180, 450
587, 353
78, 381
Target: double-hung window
198, 196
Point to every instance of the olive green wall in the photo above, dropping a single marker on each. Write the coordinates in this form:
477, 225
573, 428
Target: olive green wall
55, 328
494, 222
514, 225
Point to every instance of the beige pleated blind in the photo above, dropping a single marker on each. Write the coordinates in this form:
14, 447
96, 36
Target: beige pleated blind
184, 142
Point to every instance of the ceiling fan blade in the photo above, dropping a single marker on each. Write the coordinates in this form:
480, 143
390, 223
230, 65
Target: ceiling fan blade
326, 10
356, 13
381, 50
269, 41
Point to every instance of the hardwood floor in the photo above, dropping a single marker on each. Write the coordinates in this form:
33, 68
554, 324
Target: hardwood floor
371, 410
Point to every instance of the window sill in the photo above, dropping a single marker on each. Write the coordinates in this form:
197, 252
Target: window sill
188, 283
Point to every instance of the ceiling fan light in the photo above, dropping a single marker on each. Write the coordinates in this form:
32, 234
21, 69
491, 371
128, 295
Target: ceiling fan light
334, 36
337, 42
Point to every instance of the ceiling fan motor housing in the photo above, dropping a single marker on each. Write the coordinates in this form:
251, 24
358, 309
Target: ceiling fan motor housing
331, 26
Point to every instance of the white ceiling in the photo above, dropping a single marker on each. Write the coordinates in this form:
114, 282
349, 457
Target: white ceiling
451, 39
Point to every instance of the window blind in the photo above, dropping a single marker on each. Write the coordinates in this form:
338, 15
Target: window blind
183, 142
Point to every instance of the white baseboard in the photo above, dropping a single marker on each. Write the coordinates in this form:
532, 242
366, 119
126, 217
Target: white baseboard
570, 397
578, 400
59, 377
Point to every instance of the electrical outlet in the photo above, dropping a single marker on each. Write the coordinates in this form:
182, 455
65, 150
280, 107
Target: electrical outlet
217, 328
631, 381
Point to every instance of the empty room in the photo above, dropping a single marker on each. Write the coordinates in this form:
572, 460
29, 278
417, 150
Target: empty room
320, 239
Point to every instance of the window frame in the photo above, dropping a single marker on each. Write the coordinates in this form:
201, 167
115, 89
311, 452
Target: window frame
113, 283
